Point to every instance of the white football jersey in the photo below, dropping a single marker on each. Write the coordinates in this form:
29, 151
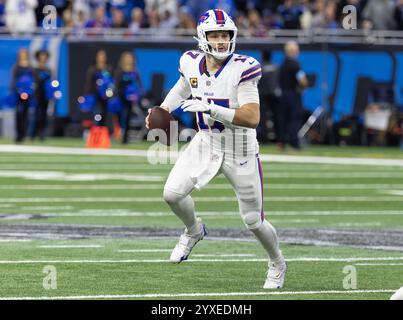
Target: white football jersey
222, 89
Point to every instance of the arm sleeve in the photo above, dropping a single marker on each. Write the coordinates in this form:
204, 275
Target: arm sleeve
248, 92
179, 93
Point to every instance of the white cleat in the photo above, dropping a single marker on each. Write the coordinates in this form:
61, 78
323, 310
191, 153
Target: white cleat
186, 244
276, 275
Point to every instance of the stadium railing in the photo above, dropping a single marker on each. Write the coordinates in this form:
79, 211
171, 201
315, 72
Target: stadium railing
389, 37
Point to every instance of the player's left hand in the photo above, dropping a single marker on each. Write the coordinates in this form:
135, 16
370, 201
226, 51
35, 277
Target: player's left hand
196, 105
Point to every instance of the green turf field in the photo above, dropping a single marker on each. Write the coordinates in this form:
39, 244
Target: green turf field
100, 220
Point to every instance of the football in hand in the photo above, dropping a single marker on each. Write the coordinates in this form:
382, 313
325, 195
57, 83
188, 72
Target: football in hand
159, 118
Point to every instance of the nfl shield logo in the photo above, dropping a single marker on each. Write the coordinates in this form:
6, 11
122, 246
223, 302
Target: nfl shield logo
208, 83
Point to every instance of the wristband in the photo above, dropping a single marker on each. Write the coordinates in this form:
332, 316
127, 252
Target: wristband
222, 114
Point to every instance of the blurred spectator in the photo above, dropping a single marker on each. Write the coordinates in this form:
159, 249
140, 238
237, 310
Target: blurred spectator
161, 6
68, 21
291, 12
325, 16
153, 19
128, 89
307, 14
137, 21
318, 17
23, 86
185, 19
20, 15
118, 19
379, 14
100, 20
44, 76
291, 80
242, 22
398, 14
256, 27
99, 83
81, 12
269, 93
79, 19
2, 13
168, 21
330, 16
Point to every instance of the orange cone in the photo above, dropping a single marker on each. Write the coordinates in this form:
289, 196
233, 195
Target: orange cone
98, 138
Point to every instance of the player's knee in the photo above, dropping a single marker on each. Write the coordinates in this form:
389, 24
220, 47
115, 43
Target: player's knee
172, 197
252, 220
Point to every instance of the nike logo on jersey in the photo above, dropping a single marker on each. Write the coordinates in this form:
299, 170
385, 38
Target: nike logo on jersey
252, 62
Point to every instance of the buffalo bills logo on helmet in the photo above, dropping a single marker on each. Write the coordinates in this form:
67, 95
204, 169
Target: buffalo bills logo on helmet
203, 18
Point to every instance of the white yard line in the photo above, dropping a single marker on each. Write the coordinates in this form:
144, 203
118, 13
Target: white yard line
194, 255
332, 175
41, 208
224, 255
144, 250
67, 176
206, 199
394, 192
221, 186
144, 153
201, 294
91, 246
378, 264
212, 214
111, 261
63, 176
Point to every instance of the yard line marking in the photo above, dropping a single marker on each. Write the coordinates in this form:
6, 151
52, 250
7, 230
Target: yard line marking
222, 186
41, 208
378, 264
358, 224
212, 214
200, 294
276, 172
70, 246
15, 240
194, 255
206, 199
110, 261
173, 155
335, 175
59, 175
90, 167
144, 250
128, 176
224, 255
394, 192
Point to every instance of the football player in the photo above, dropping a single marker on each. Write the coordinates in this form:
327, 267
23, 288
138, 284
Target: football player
225, 98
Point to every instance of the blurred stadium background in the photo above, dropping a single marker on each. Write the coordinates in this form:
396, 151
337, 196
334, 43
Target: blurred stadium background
98, 215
